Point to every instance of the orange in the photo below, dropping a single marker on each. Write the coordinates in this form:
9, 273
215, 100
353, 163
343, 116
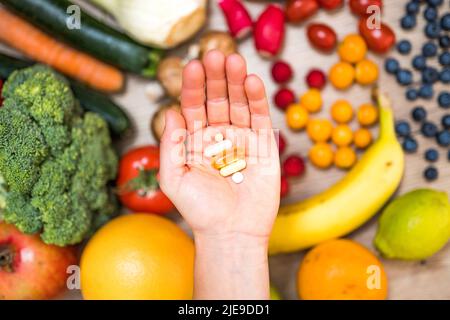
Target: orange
342, 111
362, 138
352, 49
319, 130
342, 135
367, 114
138, 256
321, 155
342, 75
312, 100
366, 72
344, 158
341, 270
296, 116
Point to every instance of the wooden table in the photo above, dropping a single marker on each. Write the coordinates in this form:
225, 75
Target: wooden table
407, 280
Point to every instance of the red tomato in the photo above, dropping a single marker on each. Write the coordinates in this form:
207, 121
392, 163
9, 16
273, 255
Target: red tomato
138, 182
379, 40
330, 4
300, 10
322, 36
359, 7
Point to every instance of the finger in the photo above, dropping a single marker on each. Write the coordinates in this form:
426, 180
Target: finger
216, 88
172, 152
257, 101
193, 96
236, 70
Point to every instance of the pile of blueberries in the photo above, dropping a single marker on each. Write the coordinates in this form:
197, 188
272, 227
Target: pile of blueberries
437, 31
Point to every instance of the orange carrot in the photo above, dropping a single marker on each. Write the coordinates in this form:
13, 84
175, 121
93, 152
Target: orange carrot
26, 38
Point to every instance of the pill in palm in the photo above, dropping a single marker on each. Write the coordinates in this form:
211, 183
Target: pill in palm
237, 177
218, 148
218, 137
227, 158
234, 167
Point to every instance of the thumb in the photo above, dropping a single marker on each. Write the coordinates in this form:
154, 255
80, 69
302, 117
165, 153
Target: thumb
172, 151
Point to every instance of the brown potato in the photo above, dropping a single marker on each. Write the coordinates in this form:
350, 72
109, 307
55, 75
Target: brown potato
219, 40
170, 71
158, 121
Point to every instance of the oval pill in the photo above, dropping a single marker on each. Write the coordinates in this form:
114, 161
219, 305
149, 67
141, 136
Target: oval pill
217, 148
233, 167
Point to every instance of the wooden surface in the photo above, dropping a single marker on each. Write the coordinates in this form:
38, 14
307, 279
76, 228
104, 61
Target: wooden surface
407, 280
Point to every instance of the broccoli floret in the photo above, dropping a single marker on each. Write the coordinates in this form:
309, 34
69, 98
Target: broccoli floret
67, 173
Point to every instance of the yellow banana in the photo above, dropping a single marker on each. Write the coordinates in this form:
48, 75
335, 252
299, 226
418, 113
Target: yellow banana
349, 203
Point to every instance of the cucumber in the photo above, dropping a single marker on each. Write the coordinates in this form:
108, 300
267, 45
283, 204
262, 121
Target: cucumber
90, 100
94, 37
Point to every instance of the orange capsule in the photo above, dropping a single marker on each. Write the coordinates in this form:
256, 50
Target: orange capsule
227, 157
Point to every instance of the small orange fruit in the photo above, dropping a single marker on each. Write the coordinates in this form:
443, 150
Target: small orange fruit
321, 155
341, 270
344, 158
296, 116
352, 49
342, 75
342, 111
342, 135
367, 114
362, 138
138, 256
366, 72
312, 100
319, 130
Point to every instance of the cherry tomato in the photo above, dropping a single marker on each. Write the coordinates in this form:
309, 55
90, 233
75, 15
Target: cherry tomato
321, 36
379, 40
330, 4
300, 10
138, 182
359, 7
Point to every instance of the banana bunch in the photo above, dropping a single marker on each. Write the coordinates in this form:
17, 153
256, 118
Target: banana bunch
349, 203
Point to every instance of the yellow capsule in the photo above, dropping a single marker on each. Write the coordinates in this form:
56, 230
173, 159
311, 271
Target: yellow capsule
233, 168
227, 157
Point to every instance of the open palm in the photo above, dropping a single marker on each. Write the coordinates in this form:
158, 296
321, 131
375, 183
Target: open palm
219, 97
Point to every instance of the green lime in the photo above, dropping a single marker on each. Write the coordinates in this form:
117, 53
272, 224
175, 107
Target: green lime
414, 226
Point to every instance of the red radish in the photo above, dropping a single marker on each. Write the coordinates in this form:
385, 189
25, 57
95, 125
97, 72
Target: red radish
281, 143
316, 79
379, 40
238, 19
359, 7
294, 166
330, 4
281, 72
300, 10
284, 187
269, 31
283, 98
322, 37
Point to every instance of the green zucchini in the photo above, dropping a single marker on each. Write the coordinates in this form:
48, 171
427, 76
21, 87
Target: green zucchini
94, 37
90, 100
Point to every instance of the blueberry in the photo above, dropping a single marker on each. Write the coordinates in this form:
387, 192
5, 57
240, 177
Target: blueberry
444, 76
402, 128
444, 42
419, 62
409, 145
412, 7
445, 22
412, 94
391, 65
444, 99
444, 59
426, 91
408, 22
445, 121
430, 14
430, 75
419, 114
429, 129
431, 155
431, 173
429, 49
443, 138
432, 30
434, 3
404, 77
404, 47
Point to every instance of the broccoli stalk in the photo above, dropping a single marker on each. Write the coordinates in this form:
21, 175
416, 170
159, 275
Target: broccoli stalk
56, 162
